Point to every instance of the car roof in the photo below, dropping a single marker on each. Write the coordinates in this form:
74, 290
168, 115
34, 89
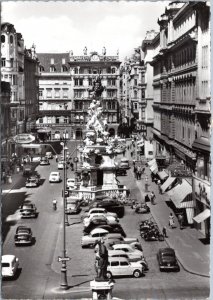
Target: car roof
113, 235
116, 252
124, 159
118, 259
122, 245
54, 173
99, 230
167, 250
7, 258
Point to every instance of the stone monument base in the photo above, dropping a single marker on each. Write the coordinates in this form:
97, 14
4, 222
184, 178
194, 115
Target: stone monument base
101, 288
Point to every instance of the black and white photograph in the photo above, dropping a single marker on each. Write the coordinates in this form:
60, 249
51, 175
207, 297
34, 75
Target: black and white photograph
105, 150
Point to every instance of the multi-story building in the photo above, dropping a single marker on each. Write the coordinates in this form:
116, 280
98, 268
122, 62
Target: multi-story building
31, 85
12, 71
182, 96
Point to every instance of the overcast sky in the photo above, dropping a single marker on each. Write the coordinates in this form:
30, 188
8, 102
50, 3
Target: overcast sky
64, 26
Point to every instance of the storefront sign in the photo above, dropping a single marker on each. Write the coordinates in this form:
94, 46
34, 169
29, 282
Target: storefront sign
24, 138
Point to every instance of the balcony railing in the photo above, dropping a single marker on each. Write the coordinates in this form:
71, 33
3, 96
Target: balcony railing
60, 112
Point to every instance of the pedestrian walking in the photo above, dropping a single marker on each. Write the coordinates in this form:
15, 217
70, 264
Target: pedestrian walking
180, 220
147, 198
152, 197
133, 162
164, 232
56, 158
171, 221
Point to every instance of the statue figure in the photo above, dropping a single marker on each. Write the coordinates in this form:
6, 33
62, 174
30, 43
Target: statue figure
85, 50
97, 88
101, 260
104, 51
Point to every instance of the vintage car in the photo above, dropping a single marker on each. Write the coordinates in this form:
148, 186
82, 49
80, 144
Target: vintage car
28, 210
32, 181
9, 265
113, 228
44, 161
99, 210
109, 219
73, 206
71, 184
121, 266
23, 236
132, 252
55, 177
49, 155
94, 236
111, 205
142, 208
118, 236
167, 260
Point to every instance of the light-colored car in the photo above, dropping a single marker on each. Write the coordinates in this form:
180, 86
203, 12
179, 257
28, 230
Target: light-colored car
49, 155
99, 210
55, 177
9, 265
124, 163
120, 266
109, 219
28, 210
94, 236
71, 183
118, 236
121, 253
61, 165
32, 182
44, 161
133, 253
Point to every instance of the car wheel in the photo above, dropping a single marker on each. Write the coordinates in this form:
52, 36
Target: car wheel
109, 275
137, 274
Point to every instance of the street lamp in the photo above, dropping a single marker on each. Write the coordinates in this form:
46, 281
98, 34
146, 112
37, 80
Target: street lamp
64, 284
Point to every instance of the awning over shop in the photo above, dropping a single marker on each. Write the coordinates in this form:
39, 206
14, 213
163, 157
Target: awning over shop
154, 169
202, 216
190, 214
180, 192
163, 175
167, 183
202, 143
152, 162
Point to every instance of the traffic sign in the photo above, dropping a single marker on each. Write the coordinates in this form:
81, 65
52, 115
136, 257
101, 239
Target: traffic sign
63, 258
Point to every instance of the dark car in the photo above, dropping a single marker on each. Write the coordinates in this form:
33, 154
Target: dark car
23, 236
167, 260
44, 161
32, 181
111, 205
27, 170
113, 228
28, 210
73, 207
121, 172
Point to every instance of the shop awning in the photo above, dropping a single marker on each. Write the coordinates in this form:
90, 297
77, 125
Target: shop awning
180, 192
163, 175
154, 169
152, 162
202, 216
167, 183
190, 214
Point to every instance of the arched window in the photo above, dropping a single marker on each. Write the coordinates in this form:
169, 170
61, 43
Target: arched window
135, 94
11, 39
113, 70
2, 38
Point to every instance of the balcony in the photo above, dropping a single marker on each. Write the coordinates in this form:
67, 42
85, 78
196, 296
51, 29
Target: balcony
61, 112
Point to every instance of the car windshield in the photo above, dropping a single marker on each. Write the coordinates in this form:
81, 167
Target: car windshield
168, 255
32, 180
54, 174
5, 265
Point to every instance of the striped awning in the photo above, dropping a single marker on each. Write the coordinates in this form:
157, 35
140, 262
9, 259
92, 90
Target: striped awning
202, 216
167, 183
154, 169
163, 175
182, 195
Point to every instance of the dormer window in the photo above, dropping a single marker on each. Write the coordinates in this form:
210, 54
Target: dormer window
52, 61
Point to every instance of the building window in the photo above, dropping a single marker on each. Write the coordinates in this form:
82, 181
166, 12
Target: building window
143, 93
111, 94
2, 38
11, 39
135, 82
57, 93
41, 69
90, 81
3, 62
49, 120
78, 105
64, 69
52, 61
49, 93
113, 70
78, 82
40, 93
52, 69
78, 94
40, 120
76, 70
135, 106
65, 93
183, 132
11, 62
111, 82
57, 120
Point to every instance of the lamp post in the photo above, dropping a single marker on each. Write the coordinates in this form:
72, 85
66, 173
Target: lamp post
64, 258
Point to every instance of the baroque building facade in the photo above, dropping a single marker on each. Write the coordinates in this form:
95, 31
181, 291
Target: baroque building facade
65, 84
182, 96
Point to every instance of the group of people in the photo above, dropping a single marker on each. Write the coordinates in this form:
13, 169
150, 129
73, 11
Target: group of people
138, 171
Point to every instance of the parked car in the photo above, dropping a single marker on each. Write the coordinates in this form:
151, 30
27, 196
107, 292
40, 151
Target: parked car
142, 208
133, 253
73, 206
9, 265
124, 163
94, 236
44, 161
96, 211
120, 266
71, 183
28, 210
109, 219
32, 182
49, 155
116, 228
55, 177
119, 237
167, 260
111, 205
121, 172
27, 170
23, 236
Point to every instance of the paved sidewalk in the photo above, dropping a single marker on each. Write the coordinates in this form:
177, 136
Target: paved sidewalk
192, 254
